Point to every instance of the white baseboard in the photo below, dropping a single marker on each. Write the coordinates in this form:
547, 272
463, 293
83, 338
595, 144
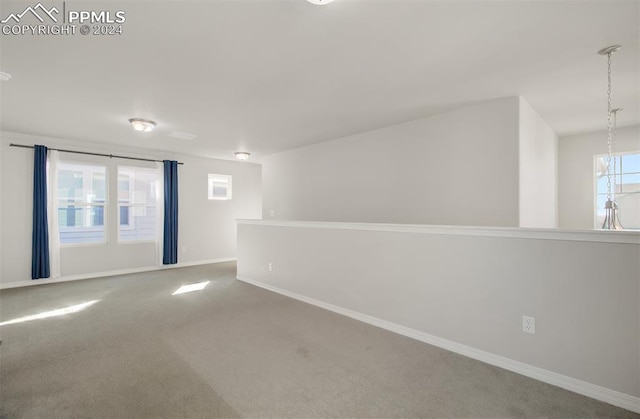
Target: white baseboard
603, 394
68, 278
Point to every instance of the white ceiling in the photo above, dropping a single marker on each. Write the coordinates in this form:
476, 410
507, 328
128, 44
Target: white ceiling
266, 75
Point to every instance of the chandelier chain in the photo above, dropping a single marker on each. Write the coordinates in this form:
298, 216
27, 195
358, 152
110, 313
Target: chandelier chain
610, 190
614, 181
611, 221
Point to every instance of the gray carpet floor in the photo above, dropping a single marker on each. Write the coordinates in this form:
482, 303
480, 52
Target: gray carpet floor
234, 350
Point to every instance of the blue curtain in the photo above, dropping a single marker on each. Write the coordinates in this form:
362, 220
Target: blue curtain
40, 236
170, 245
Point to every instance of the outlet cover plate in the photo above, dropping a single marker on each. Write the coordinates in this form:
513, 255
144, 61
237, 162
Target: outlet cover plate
529, 324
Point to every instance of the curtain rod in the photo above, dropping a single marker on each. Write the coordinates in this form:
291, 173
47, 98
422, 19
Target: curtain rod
90, 154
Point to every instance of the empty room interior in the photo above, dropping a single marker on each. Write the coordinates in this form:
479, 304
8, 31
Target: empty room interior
320, 208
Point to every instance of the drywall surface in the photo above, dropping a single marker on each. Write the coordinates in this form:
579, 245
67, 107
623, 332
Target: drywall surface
455, 168
1, 194
576, 173
207, 228
538, 170
470, 289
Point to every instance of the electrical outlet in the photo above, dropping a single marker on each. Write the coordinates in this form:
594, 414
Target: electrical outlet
270, 267
184, 249
529, 324
272, 213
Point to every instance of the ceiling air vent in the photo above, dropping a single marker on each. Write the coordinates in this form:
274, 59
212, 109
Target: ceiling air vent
182, 135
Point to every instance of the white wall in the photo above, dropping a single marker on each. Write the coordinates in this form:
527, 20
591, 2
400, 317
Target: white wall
1, 194
576, 173
207, 229
472, 288
538, 170
456, 168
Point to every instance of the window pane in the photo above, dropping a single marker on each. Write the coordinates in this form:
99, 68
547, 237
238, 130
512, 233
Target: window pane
81, 183
124, 216
629, 210
82, 190
136, 203
631, 163
70, 185
219, 191
627, 191
140, 223
81, 224
98, 187
137, 185
124, 187
631, 182
600, 214
219, 186
602, 184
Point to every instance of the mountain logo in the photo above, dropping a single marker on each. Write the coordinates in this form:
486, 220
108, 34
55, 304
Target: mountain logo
38, 11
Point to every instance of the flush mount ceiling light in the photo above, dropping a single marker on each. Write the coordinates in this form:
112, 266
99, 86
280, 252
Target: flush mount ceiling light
611, 220
4, 76
242, 155
142, 125
319, 2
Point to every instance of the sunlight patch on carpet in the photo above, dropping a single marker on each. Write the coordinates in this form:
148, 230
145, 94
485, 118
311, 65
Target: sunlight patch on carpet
191, 288
52, 313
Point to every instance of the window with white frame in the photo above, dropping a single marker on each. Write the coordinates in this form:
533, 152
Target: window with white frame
219, 186
627, 188
82, 196
137, 199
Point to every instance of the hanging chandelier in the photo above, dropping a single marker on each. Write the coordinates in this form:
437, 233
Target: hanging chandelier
611, 220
